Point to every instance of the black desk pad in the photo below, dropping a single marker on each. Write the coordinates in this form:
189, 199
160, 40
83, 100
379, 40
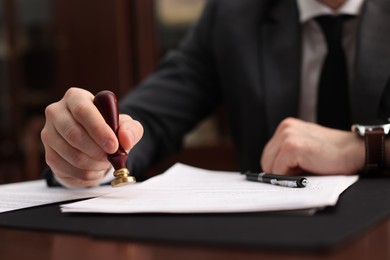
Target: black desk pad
364, 204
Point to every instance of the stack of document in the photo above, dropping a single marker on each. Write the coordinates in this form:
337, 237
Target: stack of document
36, 193
187, 189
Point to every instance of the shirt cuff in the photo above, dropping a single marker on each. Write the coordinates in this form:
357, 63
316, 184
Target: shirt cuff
108, 177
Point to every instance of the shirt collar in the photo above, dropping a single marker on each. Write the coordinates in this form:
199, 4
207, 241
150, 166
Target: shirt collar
309, 9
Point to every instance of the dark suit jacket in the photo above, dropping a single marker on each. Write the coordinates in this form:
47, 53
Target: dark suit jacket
246, 55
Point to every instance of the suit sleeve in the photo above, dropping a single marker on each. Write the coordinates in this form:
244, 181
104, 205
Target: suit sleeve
173, 99
170, 102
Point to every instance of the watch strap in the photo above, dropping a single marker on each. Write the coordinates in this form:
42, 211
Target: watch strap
375, 150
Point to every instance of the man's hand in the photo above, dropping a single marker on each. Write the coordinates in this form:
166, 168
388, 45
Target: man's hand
300, 147
77, 139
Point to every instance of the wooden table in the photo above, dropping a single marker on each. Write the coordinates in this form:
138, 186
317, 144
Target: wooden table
16, 244
25, 244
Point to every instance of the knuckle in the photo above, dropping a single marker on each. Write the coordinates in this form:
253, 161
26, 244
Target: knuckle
88, 177
288, 131
50, 110
71, 92
85, 177
44, 135
287, 122
51, 160
81, 110
286, 135
73, 134
291, 144
79, 160
85, 163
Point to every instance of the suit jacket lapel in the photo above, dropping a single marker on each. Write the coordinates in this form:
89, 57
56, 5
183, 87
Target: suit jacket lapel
372, 60
281, 51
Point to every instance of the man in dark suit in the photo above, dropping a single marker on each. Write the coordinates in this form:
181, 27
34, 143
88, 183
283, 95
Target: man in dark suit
265, 62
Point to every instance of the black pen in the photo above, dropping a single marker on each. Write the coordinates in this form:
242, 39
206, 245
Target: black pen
282, 180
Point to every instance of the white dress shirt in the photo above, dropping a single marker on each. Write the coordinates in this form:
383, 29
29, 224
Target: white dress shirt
314, 49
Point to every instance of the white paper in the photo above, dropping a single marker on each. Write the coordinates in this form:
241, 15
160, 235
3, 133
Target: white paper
34, 193
186, 189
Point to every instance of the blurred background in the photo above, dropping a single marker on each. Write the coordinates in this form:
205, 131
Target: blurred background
47, 46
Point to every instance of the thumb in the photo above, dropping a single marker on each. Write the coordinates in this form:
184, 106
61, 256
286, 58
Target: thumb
130, 132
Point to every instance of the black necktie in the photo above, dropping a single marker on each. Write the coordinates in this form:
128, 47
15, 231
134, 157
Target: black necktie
333, 101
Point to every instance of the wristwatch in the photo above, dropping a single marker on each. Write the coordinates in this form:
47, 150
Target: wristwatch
374, 142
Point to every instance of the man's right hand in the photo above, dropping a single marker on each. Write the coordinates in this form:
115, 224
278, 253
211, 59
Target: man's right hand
77, 139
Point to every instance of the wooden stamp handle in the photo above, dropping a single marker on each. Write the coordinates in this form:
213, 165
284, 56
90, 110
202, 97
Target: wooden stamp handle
107, 104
